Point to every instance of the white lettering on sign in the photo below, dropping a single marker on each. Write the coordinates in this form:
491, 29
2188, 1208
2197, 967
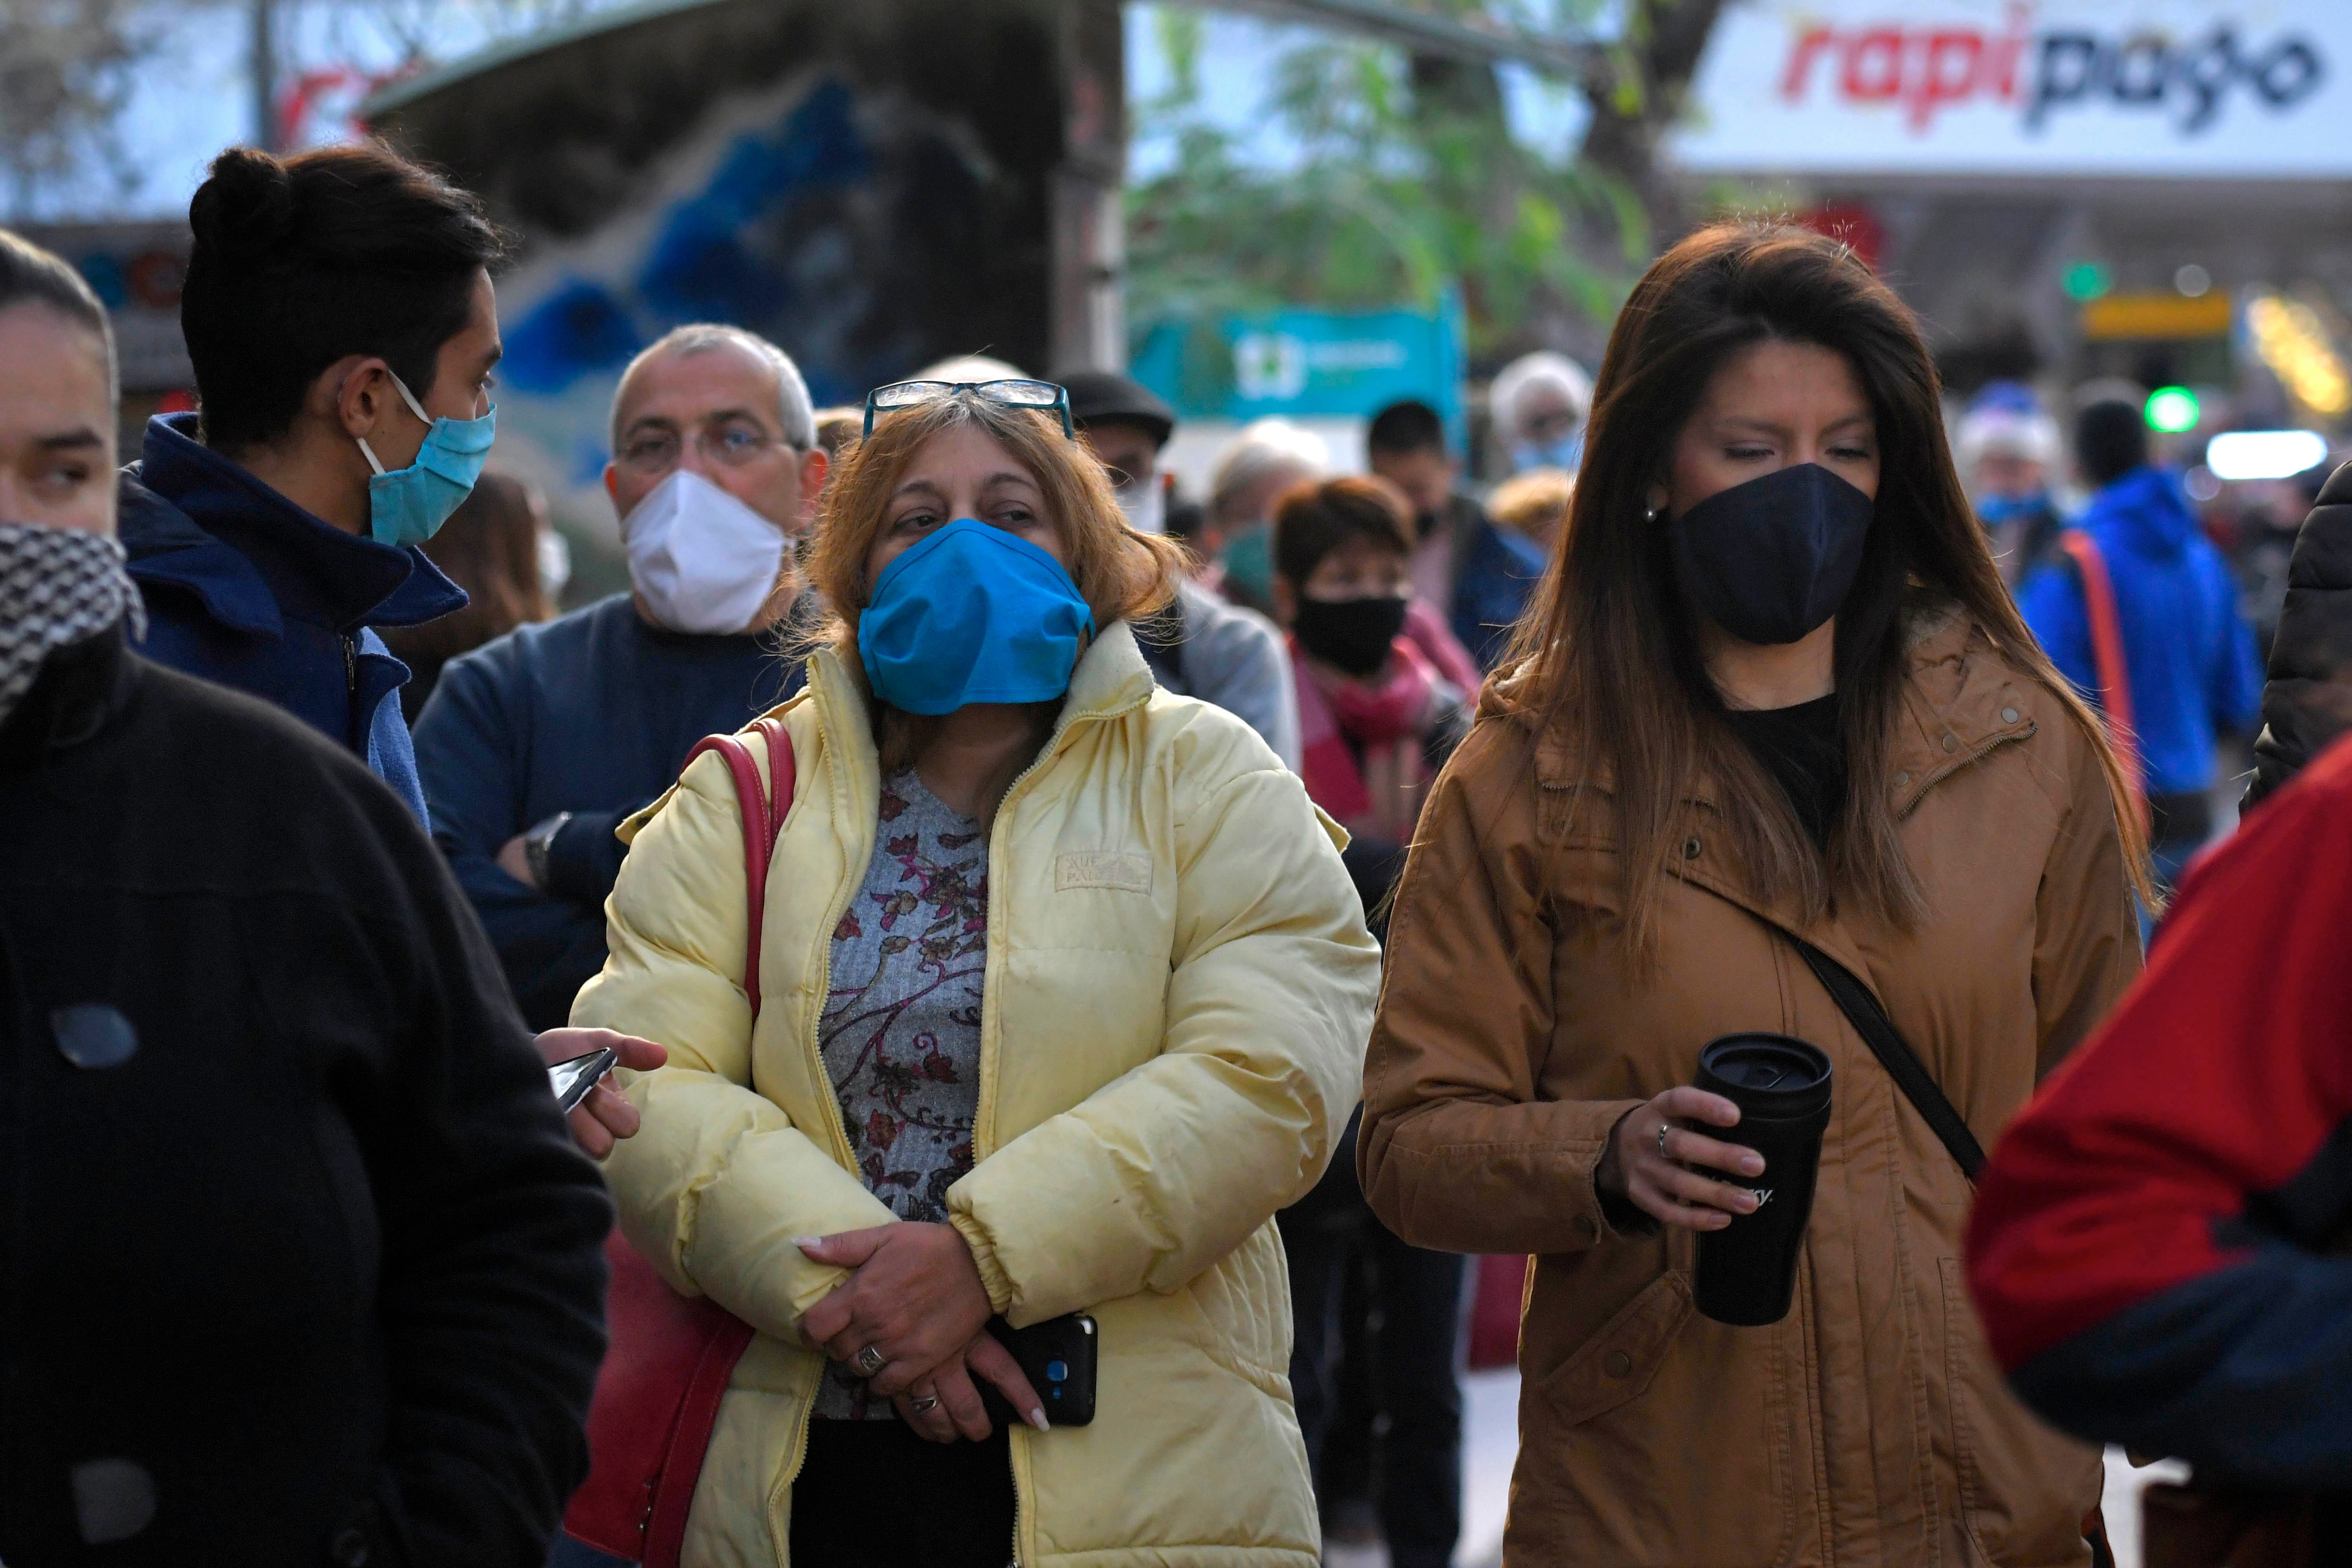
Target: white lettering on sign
1355, 355
2160, 87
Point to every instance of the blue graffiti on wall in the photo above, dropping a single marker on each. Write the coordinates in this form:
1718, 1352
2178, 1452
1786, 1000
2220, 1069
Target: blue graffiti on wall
723, 253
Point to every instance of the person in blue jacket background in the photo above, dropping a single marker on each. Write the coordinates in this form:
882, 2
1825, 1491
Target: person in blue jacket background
1478, 574
2188, 656
535, 746
341, 323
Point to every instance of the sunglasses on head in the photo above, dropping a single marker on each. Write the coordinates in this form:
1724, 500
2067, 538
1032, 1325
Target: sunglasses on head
1042, 395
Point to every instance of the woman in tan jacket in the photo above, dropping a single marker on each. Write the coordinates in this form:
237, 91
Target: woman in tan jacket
1772, 687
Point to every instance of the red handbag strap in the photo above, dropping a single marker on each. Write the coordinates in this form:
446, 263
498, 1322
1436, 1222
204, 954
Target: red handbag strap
763, 820
2107, 654
764, 811
697, 1414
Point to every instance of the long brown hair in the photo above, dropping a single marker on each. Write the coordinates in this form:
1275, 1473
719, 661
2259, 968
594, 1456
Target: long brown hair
1607, 647
1121, 574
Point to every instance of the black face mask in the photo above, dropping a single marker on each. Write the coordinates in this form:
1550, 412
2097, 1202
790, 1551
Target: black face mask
1352, 636
1770, 560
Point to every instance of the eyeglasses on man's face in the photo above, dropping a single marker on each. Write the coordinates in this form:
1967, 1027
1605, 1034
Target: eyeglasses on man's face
727, 443
1042, 395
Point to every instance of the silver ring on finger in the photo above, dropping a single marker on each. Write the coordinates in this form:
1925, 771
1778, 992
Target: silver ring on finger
1664, 1128
924, 1405
871, 1361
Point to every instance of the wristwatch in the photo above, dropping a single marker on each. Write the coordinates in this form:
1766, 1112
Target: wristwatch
538, 842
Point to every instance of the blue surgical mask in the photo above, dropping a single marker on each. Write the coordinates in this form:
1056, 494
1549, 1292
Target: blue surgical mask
1248, 560
1994, 510
972, 614
407, 506
1560, 452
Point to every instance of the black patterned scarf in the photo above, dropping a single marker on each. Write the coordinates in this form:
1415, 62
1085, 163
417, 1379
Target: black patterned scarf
57, 586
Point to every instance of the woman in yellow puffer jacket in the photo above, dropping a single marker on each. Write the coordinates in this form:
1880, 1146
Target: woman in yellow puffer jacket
1064, 992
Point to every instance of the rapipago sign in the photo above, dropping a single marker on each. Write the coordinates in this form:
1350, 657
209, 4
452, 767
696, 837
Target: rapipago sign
2240, 88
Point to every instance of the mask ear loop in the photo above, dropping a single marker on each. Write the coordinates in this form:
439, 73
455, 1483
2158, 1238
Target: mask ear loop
414, 407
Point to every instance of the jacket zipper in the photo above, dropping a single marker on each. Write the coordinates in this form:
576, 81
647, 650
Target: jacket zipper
814, 1015
840, 1124
351, 666
816, 1048
1053, 746
1976, 754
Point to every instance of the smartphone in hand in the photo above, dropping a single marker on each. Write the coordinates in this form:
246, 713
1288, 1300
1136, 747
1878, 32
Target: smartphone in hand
1057, 1357
571, 1081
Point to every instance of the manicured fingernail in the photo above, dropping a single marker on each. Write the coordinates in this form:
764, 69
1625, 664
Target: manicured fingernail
1037, 1419
1753, 1164
807, 1242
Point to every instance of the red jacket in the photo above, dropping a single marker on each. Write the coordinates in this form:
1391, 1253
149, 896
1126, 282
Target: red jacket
2149, 1245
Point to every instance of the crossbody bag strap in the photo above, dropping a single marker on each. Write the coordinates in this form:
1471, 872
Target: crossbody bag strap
1895, 1054
2108, 655
764, 810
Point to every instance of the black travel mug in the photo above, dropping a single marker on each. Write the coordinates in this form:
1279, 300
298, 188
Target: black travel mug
1748, 1270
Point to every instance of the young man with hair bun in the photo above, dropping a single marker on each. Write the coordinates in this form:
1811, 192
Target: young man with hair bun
340, 317
340, 322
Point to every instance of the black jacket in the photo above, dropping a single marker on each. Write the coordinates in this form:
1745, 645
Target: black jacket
297, 1264
2307, 701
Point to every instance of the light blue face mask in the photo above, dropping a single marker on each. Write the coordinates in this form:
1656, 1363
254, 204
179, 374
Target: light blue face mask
407, 506
1248, 560
1994, 510
1560, 452
971, 615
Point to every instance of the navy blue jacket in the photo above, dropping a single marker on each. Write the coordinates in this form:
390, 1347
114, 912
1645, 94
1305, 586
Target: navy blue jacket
248, 589
2188, 655
1494, 572
592, 714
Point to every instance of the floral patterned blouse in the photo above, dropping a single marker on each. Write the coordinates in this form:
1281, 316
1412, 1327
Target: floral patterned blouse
900, 1031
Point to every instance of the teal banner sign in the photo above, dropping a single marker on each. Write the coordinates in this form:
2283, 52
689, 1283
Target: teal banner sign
1308, 362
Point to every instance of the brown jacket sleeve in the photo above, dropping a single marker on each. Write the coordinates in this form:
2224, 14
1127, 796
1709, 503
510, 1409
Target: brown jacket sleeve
2087, 950
1456, 1152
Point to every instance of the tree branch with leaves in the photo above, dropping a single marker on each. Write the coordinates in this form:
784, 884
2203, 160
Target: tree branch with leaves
1407, 178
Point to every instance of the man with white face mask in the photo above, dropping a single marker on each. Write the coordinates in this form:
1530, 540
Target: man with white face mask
1201, 645
535, 746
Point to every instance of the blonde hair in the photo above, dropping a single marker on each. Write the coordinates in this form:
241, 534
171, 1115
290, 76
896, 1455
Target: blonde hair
1123, 576
1120, 574
1534, 502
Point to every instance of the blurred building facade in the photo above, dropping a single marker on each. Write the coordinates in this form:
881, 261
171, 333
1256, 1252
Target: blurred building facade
874, 187
2154, 189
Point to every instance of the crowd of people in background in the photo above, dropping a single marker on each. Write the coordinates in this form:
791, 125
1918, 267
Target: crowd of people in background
1209, 918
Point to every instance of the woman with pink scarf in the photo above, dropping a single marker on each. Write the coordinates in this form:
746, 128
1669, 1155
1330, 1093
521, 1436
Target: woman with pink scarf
1384, 694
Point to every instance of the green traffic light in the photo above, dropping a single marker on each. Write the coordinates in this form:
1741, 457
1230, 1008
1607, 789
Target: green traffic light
2171, 410
2086, 281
